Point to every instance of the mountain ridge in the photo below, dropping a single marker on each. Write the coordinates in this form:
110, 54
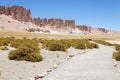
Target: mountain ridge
52, 25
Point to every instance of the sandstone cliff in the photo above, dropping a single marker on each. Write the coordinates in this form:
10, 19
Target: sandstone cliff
22, 14
17, 12
54, 23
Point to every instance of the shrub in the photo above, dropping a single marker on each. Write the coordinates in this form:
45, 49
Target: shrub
103, 42
89, 46
27, 49
3, 48
56, 46
67, 43
117, 47
94, 45
4, 42
116, 55
80, 46
24, 53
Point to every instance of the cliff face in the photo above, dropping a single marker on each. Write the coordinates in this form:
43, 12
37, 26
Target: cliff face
103, 30
17, 12
84, 28
22, 14
53, 22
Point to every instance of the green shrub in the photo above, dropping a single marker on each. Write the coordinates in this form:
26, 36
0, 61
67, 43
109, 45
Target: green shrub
89, 46
4, 42
116, 55
56, 46
27, 49
80, 46
94, 45
24, 53
103, 42
117, 47
4, 48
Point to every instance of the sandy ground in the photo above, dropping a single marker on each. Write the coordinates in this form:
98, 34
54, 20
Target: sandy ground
23, 70
11, 27
115, 41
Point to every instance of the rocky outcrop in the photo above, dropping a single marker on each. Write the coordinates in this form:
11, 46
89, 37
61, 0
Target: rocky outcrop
84, 28
22, 14
17, 12
37, 21
54, 23
88, 28
103, 30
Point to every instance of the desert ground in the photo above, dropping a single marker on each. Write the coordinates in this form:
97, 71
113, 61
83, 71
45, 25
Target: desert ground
23, 70
44, 35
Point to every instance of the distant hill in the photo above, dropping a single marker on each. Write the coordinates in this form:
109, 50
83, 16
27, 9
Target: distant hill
18, 18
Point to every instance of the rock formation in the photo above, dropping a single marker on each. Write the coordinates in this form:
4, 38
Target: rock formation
54, 23
84, 28
22, 14
17, 12
103, 30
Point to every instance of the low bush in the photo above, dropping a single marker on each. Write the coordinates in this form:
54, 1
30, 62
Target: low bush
116, 55
89, 46
56, 46
103, 42
117, 47
94, 45
4, 42
80, 46
27, 49
4, 48
25, 53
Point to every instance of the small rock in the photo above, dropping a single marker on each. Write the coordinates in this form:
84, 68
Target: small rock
55, 66
49, 70
45, 73
39, 76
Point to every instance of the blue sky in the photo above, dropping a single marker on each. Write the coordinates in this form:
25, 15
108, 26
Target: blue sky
96, 13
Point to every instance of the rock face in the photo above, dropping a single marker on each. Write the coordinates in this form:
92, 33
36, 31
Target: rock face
103, 30
54, 23
17, 12
84, 28
22, 14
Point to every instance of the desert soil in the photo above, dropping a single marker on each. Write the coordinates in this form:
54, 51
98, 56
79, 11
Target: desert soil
94, 65
23, 70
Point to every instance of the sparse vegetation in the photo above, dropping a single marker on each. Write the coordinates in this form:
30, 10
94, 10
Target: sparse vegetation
103, 42
3, 48
62, 45
4, 41
116, 54
29, 49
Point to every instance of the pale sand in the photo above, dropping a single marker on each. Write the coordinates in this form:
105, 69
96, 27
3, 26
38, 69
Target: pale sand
23, 70
10, 27
115, 41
